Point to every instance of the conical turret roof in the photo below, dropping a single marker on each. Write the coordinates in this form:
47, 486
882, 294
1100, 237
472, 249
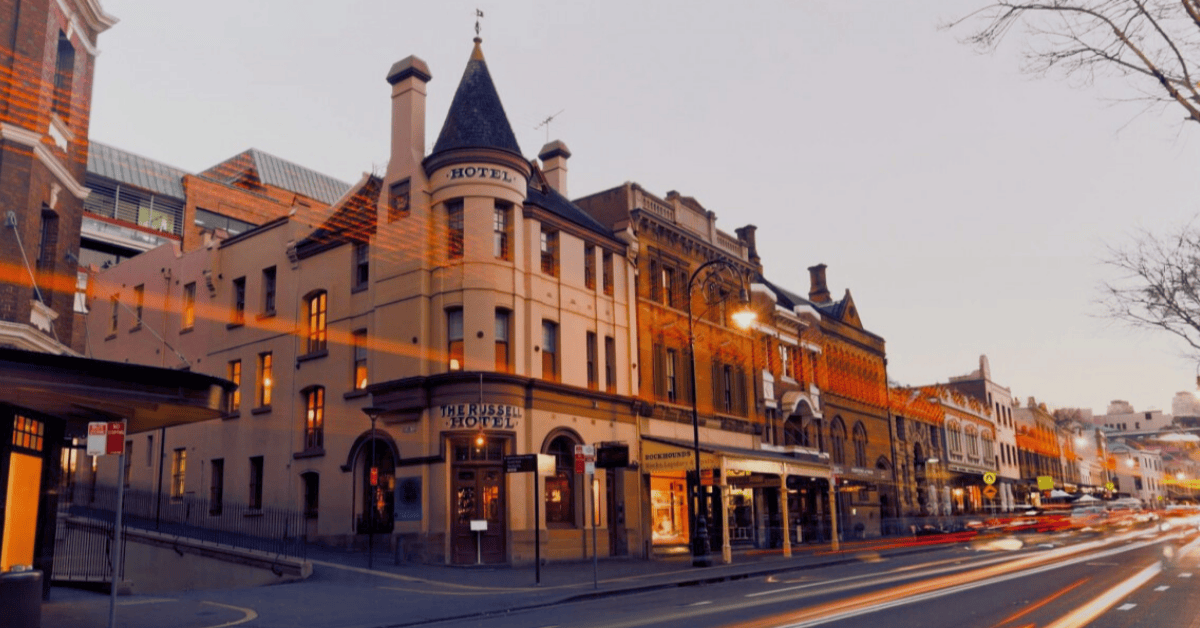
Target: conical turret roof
476, 118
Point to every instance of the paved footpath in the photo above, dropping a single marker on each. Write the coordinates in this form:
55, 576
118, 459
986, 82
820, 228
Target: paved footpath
344, 593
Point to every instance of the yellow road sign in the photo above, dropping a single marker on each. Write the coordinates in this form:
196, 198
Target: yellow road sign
989, 478
989, 492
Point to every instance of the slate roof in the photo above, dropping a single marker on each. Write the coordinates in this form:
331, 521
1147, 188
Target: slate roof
476, 118
555, 203
135, 170
792, 299
281, 173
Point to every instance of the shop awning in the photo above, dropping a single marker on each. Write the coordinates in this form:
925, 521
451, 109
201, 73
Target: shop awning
79, 390
663, 455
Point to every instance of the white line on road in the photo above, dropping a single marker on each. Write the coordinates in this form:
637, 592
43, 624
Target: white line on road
250, 615
1186, 574
1126, 607
1085, 614
149, 600
701, 603
1162, 588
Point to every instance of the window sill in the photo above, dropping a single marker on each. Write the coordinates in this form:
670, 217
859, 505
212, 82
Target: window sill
261, 410
313, 355
265, 315
309, 453
359, 288
235, 324
236, 414
187, 330
135, 328
253, 512
355, 394
111, 336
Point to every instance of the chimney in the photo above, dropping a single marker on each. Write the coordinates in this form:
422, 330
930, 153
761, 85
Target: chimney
408, 78
554, 158
746, 234
818, 292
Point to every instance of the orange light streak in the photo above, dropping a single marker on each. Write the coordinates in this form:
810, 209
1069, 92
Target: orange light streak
1054, 596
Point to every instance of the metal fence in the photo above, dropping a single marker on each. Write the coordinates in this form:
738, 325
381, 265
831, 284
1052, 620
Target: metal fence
271, 530
83, 550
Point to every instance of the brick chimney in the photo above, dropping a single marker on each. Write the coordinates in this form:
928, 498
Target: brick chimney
818, 291
554, 158
408, 78
746, 234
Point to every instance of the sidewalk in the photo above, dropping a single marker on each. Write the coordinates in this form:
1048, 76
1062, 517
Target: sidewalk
344, 592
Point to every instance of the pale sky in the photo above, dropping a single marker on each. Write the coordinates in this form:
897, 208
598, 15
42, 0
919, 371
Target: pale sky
965, 205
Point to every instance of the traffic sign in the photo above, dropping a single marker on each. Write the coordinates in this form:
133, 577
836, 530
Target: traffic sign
106, 438
1110, 486
989, 492
989, 478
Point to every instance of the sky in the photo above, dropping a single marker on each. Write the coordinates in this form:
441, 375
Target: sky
965, 205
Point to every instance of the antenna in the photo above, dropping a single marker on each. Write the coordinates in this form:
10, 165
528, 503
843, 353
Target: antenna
478, 14
546, 123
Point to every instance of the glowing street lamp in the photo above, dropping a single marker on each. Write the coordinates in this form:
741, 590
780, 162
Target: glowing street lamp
714, 293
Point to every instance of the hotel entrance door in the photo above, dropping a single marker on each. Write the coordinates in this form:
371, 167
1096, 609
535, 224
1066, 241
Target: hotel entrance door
478, 496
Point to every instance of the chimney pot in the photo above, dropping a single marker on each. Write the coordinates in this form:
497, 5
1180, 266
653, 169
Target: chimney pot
819, 291
554, 158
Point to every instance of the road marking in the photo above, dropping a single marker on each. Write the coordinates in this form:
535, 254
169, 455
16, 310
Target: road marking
1104, 564
151, 600
437, 583
1021, 613
1090, 611
429, 592
1126, 607
1162, 588
1186, 574
701, 603
250, 615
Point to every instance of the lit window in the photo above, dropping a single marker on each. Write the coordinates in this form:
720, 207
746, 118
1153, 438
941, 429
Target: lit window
560, 493
549, 350
316, 321
314, 418
264, 382
178, 472
454, 338
234, 374
502, 333
360, 359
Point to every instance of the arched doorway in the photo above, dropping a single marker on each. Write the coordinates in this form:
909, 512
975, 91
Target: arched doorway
377, 487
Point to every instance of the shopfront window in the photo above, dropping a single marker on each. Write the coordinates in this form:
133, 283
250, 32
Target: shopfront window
668, 507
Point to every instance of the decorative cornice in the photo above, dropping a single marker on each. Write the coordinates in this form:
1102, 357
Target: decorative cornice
94, 15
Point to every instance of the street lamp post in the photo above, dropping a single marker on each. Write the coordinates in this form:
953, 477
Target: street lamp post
744, 318
373, 413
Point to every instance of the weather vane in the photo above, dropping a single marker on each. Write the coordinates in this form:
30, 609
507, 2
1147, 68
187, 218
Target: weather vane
478, 14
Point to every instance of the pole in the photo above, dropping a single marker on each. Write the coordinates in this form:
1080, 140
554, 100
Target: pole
115, 555
700, 548
162, 455
537, 528
595, 547
371, 506
833, 513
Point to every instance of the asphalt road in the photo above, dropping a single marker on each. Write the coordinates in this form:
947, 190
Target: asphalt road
1144, 578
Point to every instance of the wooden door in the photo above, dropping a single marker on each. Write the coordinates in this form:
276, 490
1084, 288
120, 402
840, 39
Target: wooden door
478, 495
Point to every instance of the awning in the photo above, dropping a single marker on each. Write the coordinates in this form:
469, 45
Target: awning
663, 455
79, 390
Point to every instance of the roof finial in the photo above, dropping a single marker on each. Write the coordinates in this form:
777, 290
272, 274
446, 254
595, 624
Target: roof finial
478, 14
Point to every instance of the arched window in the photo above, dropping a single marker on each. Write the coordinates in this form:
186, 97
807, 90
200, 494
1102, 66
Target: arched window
860, 445
560, 487
837, 441
972, 441
954, 435
316, 304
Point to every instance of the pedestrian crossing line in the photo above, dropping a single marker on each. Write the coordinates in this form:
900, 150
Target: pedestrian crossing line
1162, 588
1186, 574
1126, 607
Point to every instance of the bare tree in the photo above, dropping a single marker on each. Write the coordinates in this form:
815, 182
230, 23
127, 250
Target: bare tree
1154, 44
1159, 284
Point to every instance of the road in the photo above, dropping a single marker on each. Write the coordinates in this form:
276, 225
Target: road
1136, 578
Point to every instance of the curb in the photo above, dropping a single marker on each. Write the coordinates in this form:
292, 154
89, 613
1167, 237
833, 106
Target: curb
689, 582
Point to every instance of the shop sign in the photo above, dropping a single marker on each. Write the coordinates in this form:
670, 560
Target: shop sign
661, 458
483, 416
